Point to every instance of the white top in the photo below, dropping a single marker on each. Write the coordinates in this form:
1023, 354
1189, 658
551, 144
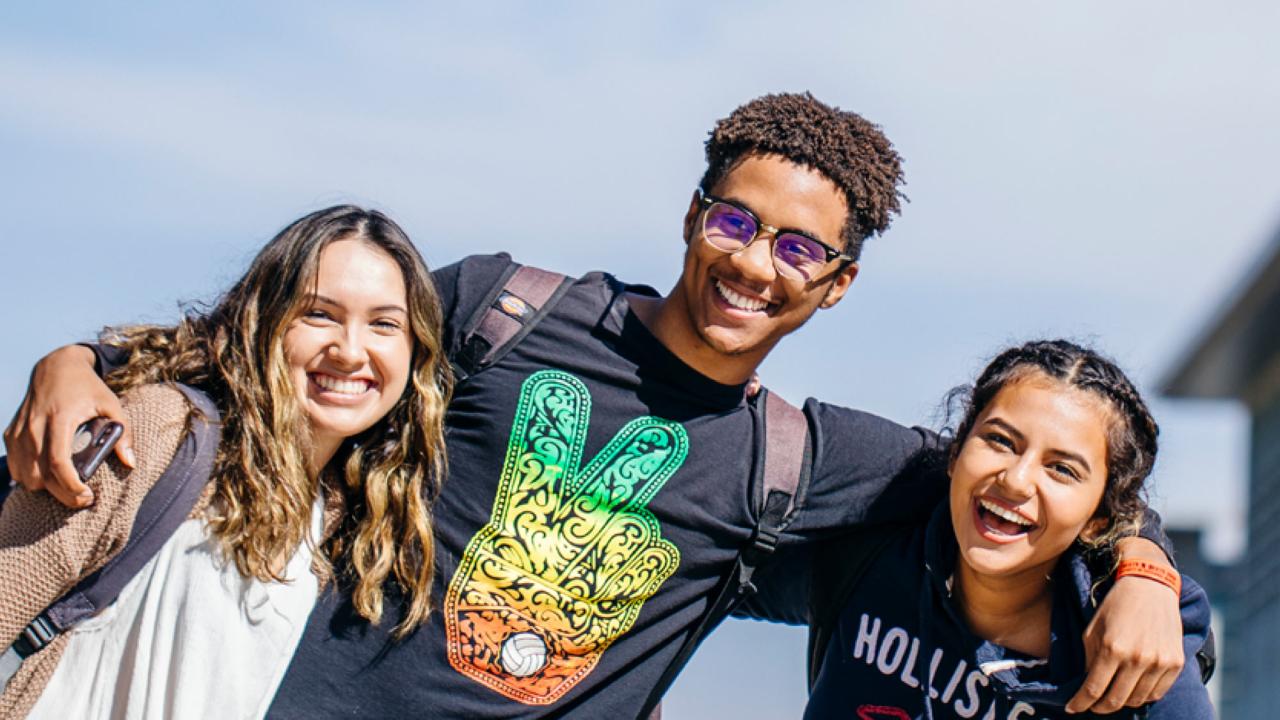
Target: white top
189, 637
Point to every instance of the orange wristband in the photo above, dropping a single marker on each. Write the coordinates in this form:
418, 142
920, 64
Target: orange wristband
1141, 568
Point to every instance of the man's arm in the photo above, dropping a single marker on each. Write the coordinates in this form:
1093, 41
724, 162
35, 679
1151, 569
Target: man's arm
1188, 698
65, 392
1134, 644
868, 470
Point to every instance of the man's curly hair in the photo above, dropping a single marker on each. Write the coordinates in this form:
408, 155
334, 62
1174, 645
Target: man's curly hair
842, 145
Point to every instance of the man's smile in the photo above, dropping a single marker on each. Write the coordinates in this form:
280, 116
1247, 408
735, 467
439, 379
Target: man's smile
738, 299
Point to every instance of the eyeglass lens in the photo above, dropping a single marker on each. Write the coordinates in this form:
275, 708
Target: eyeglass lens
730, 229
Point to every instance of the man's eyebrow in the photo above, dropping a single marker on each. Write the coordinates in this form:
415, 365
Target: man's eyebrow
318, 298
802, 231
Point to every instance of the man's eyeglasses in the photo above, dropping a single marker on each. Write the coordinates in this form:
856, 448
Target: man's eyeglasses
730, 227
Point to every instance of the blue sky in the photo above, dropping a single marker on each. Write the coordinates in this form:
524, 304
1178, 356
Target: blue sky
1103, 171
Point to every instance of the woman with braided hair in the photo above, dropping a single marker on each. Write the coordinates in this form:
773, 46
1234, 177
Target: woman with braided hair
1047, 470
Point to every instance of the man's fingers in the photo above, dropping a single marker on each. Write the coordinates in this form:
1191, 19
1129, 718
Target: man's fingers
109, 407
124, 451
1118, 694
1163, 684
63, 482
25, 471
1143, 690
23, 461
1101, 670
124, 446
19, 462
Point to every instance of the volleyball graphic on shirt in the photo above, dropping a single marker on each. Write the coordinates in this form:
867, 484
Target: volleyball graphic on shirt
524, 654
570, 553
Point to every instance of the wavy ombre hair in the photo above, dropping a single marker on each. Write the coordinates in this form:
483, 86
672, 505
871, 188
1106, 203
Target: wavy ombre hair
388, 476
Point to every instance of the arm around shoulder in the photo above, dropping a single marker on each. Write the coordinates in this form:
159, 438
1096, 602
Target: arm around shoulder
46, 547
1188, 698
869, 470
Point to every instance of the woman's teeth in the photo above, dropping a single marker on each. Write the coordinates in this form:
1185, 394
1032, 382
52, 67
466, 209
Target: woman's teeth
738, 300
1003, 514
344, 387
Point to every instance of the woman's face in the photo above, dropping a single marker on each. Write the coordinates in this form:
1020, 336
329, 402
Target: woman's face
349, 352
1029, 476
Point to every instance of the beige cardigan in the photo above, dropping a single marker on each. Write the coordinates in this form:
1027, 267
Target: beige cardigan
46, 548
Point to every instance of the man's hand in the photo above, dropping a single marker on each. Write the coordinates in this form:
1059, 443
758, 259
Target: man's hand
64, 393
1133, 646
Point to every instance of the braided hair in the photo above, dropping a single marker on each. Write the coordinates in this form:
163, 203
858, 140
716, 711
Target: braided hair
1131, 435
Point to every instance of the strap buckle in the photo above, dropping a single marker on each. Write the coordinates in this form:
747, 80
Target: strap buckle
35, 637
765, 540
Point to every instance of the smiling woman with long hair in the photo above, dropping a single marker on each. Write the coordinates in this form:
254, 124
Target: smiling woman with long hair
1047, 470
325, 364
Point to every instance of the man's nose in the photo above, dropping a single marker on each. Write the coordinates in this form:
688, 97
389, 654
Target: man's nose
755, 261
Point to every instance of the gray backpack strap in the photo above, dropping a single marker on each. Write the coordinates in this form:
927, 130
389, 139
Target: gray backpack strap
166, 506
787, 463
782, 479
513, 307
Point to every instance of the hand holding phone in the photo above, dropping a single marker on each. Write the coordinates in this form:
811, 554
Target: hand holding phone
92, 443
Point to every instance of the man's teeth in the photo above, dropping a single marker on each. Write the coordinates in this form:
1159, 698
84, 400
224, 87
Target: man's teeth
738, 300
345, 387
1003, 514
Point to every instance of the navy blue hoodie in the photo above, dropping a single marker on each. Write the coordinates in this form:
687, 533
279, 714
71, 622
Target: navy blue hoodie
900, 649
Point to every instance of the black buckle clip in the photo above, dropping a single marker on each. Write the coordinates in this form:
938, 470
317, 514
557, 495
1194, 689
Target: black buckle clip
35, 637
765, 540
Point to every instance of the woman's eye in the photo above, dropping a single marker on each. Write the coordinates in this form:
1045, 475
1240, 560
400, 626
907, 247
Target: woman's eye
316, 314
386, 324
1065, 470
998, 440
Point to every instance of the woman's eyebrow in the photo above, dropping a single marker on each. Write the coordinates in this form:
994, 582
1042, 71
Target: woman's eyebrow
1068, 455
318, 298
1003, 425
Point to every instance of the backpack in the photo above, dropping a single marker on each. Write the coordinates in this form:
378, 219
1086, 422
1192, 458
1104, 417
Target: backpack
520, 299
166, 506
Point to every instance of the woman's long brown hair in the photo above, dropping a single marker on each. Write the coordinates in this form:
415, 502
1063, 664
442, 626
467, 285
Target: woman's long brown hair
388, 476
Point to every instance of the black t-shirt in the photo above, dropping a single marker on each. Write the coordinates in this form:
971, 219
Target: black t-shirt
598, 491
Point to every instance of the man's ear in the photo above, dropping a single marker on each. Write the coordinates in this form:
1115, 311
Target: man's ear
691, 216
840, 285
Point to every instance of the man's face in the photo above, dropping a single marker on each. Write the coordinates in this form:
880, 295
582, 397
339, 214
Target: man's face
736, 306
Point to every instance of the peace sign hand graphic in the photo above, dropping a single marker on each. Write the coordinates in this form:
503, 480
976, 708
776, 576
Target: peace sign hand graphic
570, 553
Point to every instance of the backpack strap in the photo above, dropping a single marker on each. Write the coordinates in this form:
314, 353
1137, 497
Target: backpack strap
1207, 657
166, 506
781, 478
515, 304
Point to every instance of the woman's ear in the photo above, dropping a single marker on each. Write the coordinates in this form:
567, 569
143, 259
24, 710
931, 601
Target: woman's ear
1093, 529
